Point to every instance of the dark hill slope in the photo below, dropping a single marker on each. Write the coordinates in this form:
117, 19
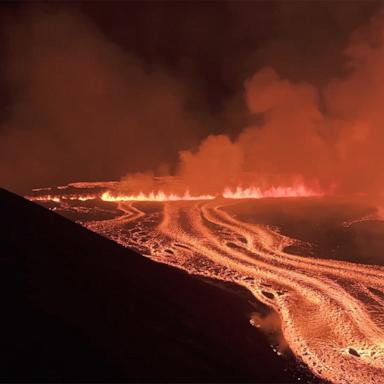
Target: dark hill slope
78, 307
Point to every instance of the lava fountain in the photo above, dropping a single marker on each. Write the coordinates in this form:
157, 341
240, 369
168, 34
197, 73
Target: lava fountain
114, 196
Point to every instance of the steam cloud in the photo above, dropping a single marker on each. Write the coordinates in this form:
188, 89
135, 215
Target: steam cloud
332, 136
83, 109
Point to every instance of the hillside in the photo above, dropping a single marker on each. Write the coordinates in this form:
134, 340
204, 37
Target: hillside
78, 307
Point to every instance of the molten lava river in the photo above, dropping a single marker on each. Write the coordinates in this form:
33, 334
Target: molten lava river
331, 311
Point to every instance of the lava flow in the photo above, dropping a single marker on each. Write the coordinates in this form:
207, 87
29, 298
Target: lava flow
114, 196
332, 312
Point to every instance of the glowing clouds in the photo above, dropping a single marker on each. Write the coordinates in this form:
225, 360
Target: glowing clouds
217, 164
287, 146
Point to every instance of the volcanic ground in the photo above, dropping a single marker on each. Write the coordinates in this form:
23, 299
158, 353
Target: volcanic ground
315, 261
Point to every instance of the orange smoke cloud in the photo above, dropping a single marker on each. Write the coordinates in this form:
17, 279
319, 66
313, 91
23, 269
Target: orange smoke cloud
217, 164
330, 137
287, 147
83, 108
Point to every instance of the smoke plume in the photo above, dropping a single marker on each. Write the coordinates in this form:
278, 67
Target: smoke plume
84, 108
81, 108
330, 137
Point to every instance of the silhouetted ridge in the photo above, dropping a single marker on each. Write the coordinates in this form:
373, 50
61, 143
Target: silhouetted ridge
78, 307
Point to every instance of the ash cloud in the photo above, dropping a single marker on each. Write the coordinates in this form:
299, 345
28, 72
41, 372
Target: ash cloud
354, 102
81, 108
84, 108
330, 136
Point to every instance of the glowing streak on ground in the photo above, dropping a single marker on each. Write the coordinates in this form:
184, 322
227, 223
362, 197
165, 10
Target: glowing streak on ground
59, 198
238, 193
153, 196
258, 193
114, 196
332, 312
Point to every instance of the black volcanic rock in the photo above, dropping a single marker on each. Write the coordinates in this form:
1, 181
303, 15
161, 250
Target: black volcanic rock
78, 307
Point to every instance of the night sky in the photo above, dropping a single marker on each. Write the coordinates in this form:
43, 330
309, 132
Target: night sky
93, 90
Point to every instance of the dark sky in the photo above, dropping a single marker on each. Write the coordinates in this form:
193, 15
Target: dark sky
201, 53
217, 45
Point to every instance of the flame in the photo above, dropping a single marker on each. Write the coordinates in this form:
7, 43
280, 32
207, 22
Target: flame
257, 193
153, 196
299, 190
59, 198
330, 311
252, 192
53, 198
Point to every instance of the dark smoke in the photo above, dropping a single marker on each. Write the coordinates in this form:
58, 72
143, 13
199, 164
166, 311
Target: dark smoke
83, 109
331, 135
296, 99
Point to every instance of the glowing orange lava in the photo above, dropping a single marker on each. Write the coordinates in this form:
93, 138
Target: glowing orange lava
257, 193
331, 311
114, 196
152, 196
61, 197
238, 193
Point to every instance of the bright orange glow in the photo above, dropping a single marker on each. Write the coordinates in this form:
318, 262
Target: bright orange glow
152, 196
331, 312
237, 193
54, 198
257, 193
59, 198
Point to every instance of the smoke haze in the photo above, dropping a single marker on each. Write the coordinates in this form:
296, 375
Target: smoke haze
330, 136
83, 107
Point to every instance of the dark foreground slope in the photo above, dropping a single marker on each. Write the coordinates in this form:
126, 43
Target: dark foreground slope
78, 307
